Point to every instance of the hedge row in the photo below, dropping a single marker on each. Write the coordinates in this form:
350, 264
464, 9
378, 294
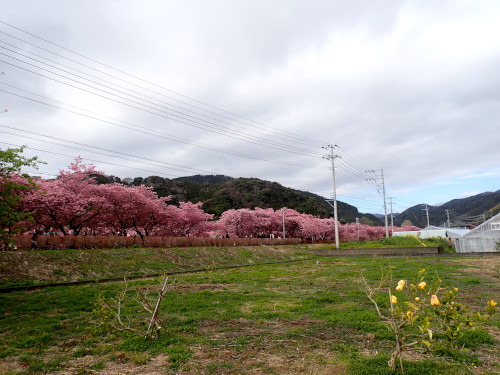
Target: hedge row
43, 242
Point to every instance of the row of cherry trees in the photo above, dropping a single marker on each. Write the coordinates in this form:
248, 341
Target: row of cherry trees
75, 204
258, 222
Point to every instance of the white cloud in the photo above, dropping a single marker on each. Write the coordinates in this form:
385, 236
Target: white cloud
407, 86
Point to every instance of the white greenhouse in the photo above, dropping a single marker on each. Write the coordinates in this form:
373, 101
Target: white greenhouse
432, 231
483, 238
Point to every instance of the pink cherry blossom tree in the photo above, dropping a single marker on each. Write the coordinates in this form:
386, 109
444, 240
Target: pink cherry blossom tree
68, 204
188, 220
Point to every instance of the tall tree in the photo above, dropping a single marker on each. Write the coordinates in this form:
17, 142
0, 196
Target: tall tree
13, 185
70, 203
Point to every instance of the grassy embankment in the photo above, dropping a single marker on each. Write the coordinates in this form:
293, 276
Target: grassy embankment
291, 318
23, 268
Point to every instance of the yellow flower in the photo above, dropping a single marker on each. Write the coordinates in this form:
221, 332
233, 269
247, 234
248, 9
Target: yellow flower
435, 300
455, 290
409, 315
422, 285
401, 285
417, 299
490, 309
394, 299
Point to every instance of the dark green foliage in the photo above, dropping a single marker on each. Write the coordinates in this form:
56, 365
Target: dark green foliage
103, 179
28, 342
378, 366
12, 189
222, 193
204, 180
474, 339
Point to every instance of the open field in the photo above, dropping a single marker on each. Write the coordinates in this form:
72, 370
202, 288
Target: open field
306, 317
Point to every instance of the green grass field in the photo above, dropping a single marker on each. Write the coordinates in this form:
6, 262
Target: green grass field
306, 317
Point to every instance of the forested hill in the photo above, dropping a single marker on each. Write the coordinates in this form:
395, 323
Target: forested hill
463, 211
221, 193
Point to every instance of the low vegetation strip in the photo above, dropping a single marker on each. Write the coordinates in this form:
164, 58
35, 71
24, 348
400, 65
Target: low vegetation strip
55, 242
377, 251
138, 277
290, 318
31, 268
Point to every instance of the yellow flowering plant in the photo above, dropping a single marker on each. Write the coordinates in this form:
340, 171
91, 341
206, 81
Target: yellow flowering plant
423, 311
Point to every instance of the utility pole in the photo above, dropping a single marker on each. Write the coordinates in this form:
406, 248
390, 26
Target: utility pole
284, 235
357, 222
426, 209
392, 217
332, 157
385, 203
448, 216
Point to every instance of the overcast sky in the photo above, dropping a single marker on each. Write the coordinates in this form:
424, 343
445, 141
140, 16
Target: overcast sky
256, 88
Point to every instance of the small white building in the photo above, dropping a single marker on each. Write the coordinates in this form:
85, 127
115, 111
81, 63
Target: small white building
483, 238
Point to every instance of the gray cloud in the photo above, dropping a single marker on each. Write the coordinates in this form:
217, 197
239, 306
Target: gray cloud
407, 86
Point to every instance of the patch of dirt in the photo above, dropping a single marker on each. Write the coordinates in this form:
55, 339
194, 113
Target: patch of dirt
41, 266
265, 357
480, 266
79, 363
188, 288
303, 335
18, 266
156, 365
11, 366
243, 327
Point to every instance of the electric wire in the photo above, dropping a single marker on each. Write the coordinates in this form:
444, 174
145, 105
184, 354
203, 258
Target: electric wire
109, 152
200, 123
349, 169
359, 199
89, 159
347, 156
155, 133
150, 109
179, 111
36, 172
260, 125
85, 73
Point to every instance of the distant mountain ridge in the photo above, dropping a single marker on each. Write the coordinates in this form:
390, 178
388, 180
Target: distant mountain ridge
220, 193
464, 211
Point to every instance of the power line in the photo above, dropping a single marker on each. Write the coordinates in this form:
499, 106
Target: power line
196, 123
360, 199
118, 154
155, 172
261, 126
93, 160
144, 130
348, 166
115, 77
348, 159
178, 109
